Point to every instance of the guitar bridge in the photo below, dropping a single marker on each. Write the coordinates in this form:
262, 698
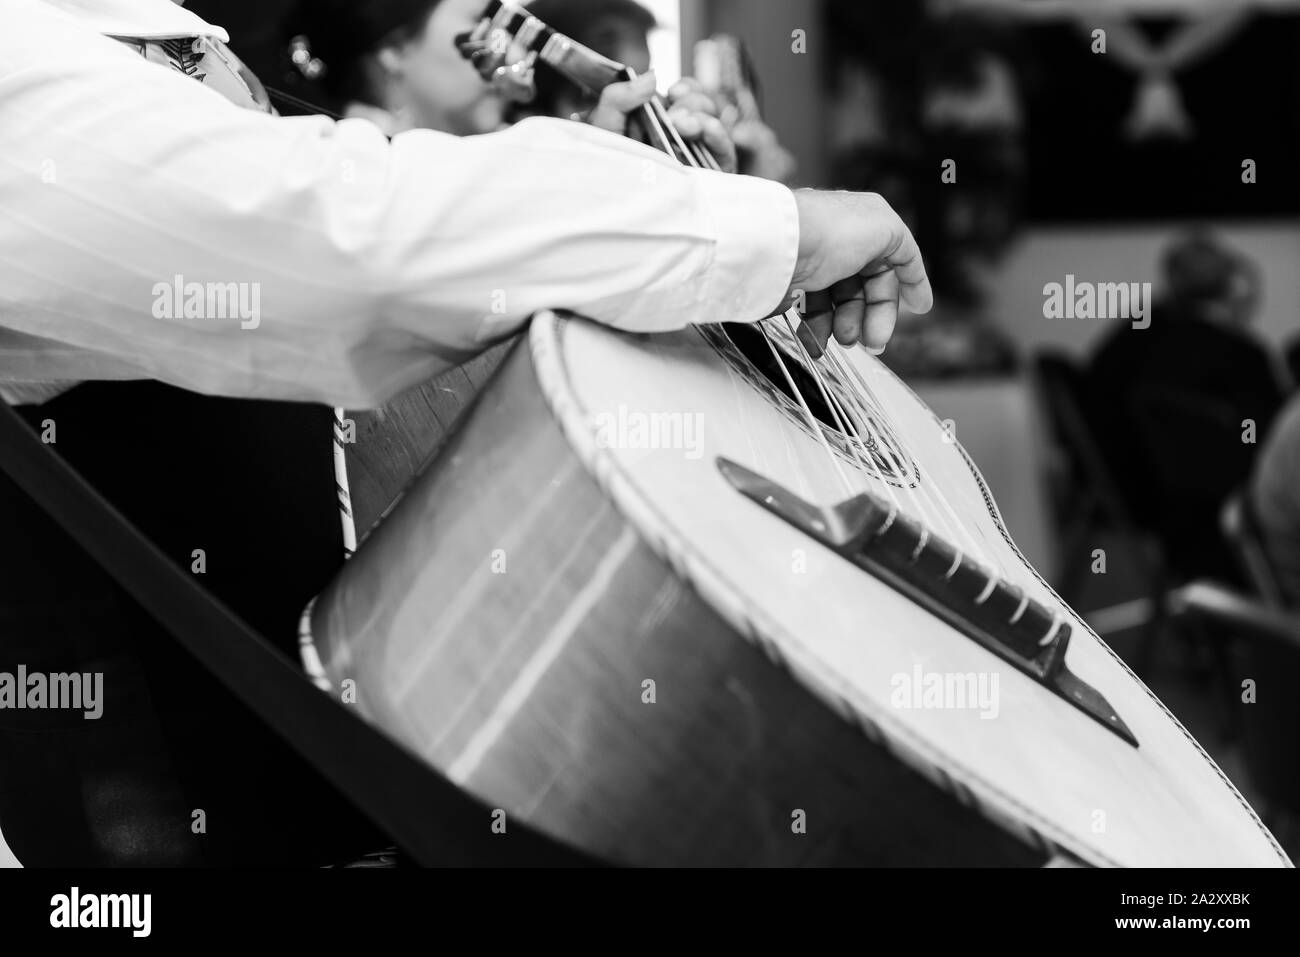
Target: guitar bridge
938, 577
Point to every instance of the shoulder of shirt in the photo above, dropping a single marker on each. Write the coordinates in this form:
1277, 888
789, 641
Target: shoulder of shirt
139, 19
382, 118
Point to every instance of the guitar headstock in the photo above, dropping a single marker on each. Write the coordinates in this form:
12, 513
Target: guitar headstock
509, 41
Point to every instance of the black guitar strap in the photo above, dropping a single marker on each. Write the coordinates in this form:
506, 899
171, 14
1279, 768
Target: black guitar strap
429, 817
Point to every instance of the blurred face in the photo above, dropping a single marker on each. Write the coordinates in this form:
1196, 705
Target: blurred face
435, 87
620, 40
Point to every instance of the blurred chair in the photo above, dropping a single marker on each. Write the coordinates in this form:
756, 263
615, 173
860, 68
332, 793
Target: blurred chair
1269, 635
1242, 530
1091, 500
1191, 459
1086, 497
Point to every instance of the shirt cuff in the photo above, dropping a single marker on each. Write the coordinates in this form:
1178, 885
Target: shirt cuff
756, 225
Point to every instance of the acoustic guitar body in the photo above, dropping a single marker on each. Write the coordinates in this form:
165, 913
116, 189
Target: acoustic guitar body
639, 603
395, 442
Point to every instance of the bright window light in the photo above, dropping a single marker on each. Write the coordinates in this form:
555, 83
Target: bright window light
666, 42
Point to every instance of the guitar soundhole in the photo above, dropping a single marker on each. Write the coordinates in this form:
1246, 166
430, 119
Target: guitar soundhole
746, 349
754, 347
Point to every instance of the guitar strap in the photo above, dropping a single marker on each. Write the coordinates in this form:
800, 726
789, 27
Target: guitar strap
428, 816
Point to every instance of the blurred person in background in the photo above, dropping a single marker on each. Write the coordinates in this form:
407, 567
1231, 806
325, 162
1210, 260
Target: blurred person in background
618, 29
1179, 402
396, 63
1199, 339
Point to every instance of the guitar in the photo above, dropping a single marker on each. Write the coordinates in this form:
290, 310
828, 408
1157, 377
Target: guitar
390, 445
696, 598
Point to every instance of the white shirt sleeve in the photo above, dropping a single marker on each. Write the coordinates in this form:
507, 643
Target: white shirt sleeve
372, 264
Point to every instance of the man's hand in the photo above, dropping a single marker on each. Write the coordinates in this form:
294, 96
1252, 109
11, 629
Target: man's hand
692, 111
857, 260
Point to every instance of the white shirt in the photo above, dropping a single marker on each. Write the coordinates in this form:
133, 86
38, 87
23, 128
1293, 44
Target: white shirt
374, 264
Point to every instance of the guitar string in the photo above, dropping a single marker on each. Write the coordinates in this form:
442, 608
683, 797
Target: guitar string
651, 120
987, 548
815, 370
951, 525
831, 403
701, 156
658, 122
656, 104
804, 484
863, 424
834, 402
849, 369
887, 444
813, 424
660, 126
987, 556
692, 153
862, 419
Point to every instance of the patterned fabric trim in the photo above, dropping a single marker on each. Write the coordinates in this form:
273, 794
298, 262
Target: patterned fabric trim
207, 60
183, 54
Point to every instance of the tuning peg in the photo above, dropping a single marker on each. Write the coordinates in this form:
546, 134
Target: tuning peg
310, 66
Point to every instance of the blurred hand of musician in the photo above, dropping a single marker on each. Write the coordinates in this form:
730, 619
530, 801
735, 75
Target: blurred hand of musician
693, 111
857, 262
760, 153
